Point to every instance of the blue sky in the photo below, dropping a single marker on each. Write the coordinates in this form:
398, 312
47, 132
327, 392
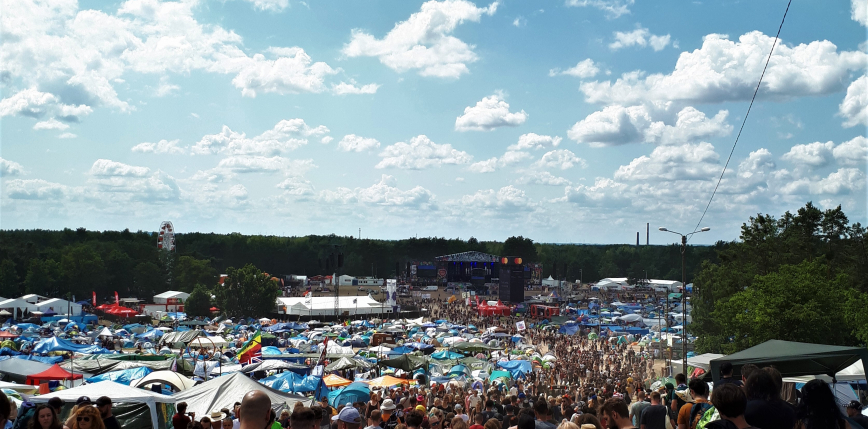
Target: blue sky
563, 121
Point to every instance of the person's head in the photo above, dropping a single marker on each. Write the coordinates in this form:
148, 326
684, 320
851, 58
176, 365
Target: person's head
509, 409
854, 408
348, 418
458, 423
760, 385
729, 400
44, 418
415, 419
567, 425
226, 423
541, 409
746, 370
726, 369
492, 424
56, 403
680, 378
181, 407
588, 421
698, 388
255, 410
87, 417
641, 395
489, 404
655, 398
616, 411
104, 405
776, 376
479, 418
526, 421
817, 408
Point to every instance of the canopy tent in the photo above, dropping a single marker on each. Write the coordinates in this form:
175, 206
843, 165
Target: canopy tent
208, 342
177, 381
54, 373
703, 360
853, 373
141, 411
405, 362
223, 392
794, 359
352, 393
387, 381
334, 380
274, 365
124, 376
100, 366
516, 368
348, 363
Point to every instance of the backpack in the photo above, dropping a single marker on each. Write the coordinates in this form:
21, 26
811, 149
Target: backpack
25, 413
697, 411
710, 415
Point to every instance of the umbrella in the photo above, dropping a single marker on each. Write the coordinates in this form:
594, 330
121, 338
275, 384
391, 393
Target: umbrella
387, 381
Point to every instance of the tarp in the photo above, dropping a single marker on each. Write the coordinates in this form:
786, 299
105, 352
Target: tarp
180, 337
348, 363
177, 381
160, 407
124, 376
853, 373
703, 361
55, 372
794, 359
55, 344
291, 382
499, 374
355, 392
17, 370
334, 380
517, 368
405, 362
275, 365
223, 392
100, 366
387, 381
569, 329
473, 347
446, 354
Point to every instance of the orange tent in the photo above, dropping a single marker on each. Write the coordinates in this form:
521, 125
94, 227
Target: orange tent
333, 380
387, 381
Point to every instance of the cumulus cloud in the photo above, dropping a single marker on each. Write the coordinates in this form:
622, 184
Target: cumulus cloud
421, 153
490, 165
38, 105
34, 189
854, 108
354, 143
351, 88
383, 193
287, 135
756, 166
507, 198
489, 113
262, 164
812, 155
296, 186
160, 147
843, 181
51, 124
618, 125
10, 168
640, 37
106, 167
859, 11
612, 8
287, 71
853, 152
668, 163
541, 178
269, 5
583, 69
535, 141
424, 42
561, 158
725, 70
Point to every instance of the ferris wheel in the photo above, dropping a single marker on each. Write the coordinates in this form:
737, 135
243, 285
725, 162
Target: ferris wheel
166, 238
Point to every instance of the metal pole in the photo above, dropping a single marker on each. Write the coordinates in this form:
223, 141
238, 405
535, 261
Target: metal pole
683, 307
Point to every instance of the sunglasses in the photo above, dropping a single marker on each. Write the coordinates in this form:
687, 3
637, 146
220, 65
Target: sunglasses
82, 419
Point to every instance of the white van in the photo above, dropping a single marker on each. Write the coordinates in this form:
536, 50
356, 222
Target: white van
429, 288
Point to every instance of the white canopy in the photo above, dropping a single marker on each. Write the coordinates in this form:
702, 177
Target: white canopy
208, 342
177, 381
224, 392
118, 392
855, 372
703, 360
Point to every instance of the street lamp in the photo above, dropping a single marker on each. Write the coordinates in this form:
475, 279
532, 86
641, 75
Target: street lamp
684, 292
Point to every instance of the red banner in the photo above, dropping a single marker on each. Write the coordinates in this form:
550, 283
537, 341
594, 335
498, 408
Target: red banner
94, 299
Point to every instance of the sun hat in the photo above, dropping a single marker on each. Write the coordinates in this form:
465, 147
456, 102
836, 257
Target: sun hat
216, 416
388, 405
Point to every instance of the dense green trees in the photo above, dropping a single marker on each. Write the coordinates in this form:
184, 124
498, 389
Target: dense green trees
199, 302
801, 277
247, 292
521, 247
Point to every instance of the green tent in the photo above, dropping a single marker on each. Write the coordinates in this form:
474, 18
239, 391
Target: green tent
348, 363
794, 359
406, 362
499, 374
473, 347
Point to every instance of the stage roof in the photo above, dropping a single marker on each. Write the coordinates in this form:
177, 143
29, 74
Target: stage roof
472, 256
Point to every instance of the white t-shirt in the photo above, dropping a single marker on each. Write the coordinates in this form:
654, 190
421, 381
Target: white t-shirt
513, 390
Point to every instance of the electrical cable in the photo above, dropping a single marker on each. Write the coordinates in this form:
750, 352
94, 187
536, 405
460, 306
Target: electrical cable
755, 92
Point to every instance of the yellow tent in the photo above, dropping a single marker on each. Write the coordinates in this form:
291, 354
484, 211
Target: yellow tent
333, 380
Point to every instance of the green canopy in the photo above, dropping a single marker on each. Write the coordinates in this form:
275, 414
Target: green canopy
674, 296
348, 363
472, 362
559, 320
473, 347
406, 362
794, 359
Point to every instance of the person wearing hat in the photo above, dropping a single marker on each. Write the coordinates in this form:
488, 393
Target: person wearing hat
82, 401
388, 414
459, 412
104, 404
348, 418
854, 413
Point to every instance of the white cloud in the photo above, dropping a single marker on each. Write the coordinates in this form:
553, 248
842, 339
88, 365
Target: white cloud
668, 163
160, 147
617, 125
270, 5
854, 108
843, 181
37, 104
354, 143
262, 164
812, 155
519, 21
487, 166
296, 186
67, 136
612, 8
583, 69
421, 153
108, 168
724, 70
535, 141
326, 139
287, 135
489, 113
756, 167
351, 88
560, 158
424, 42
640, 37
853, 152
289, 71
859, 11
541, 178
10, 168
34, 189
51, 124
490, 165
383, 193
118, 188
165, 88
507, 198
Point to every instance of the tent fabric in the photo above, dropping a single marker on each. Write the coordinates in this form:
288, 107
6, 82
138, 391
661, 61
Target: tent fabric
55, 372
387, 381
794, 359
853, 373
274, 365
55, 344
20, 388
352, 393
499, 374
446, 354
703, 360
292, 382
177, 381
334, 380
348, 363
100, 366
124, 376
223, 392
516, 368
569, 329
405, 362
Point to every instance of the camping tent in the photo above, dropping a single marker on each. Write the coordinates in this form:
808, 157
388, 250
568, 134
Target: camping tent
794, 359
55, 344
355, 392
334, 380
348, 363
223, 392
134, 408
54, 373
177, 381
123, 376
405, 362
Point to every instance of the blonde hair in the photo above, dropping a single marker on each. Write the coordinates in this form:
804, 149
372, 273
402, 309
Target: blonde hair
567, 425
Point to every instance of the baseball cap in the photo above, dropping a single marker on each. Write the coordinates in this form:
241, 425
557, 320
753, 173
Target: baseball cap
83, 400
856, 405
348, 415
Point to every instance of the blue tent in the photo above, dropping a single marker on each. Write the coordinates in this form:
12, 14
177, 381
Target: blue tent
55, 344
124, 376
51, 360
352, 393
419, 346
271, 350
516, 368
446, 354
291, 382
569, 329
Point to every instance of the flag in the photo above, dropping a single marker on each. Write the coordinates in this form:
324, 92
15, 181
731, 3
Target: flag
117, 300
346, 323
94, 299
355, 300
252, 348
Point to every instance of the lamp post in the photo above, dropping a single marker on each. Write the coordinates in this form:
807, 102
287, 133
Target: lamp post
684, 292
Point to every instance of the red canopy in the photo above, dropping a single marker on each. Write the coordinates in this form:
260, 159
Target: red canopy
7, 334
214, 309
105, 306
53, 373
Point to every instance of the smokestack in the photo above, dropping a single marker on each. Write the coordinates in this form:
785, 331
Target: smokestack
647, 232
637, 238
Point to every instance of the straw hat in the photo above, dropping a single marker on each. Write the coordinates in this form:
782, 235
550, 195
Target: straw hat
216, 416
